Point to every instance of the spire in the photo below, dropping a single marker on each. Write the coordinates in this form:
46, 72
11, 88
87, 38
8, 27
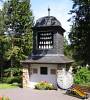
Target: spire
49, 11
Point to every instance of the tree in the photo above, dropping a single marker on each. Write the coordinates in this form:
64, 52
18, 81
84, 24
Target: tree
1, 36
80, 31
1, 43
18, 20
67, 48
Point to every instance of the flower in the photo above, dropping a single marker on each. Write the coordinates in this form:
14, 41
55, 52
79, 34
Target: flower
0, 97
4, 98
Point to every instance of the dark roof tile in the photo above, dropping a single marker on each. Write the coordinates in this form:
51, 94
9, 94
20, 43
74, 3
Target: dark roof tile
48, 59
47, 21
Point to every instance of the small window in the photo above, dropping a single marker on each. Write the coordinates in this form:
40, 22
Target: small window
35, 71
53, 71
44, 70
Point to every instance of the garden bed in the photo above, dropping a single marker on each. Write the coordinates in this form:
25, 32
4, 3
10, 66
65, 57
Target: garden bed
43, 85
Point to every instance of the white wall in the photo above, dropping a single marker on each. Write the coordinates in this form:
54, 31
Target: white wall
34, 78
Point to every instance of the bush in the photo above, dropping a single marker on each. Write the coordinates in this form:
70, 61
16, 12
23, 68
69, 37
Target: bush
44, 86
11, 80
82, 76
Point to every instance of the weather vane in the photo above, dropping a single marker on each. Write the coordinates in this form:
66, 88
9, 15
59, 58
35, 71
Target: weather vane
49, 11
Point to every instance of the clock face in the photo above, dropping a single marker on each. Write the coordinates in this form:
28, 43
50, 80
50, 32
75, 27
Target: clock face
64, 80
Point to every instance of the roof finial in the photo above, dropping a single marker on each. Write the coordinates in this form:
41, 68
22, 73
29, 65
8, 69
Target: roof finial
49, 11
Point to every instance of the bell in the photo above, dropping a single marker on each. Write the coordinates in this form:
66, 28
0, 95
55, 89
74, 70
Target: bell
47, 46
40, 42
39, 46
42, 47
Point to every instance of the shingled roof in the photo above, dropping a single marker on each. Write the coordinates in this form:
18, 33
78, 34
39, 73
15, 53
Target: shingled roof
53, 59
47, 21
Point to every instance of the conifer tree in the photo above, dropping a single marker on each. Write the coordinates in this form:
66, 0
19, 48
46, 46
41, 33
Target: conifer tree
17, 32
80, 31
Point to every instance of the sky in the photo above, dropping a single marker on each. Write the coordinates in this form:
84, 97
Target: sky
59, 9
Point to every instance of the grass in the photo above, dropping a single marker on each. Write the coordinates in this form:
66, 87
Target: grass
86, 84
4, 86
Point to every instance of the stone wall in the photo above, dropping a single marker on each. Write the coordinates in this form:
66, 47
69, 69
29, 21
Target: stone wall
25, 76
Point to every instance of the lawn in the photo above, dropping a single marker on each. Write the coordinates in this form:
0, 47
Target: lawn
86, 84
4, 85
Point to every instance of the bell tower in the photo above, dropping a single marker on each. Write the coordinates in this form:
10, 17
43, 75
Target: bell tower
48, 36
47, 59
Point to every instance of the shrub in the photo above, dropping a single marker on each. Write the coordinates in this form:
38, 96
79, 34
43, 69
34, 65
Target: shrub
44, 86
11, 80
82, 76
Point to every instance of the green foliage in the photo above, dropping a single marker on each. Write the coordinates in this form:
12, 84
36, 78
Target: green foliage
44, 86
16, 71
15, 53
80, 31
16, 75
67, 48
2, 24
18, 26
82, 76
2, 38
11, 80
16, 21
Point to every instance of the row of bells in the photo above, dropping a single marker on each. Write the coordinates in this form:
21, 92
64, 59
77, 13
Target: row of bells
45, 46
45, 37
45, 42
45, 34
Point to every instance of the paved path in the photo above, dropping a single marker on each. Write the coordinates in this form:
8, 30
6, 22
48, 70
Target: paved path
29, 94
